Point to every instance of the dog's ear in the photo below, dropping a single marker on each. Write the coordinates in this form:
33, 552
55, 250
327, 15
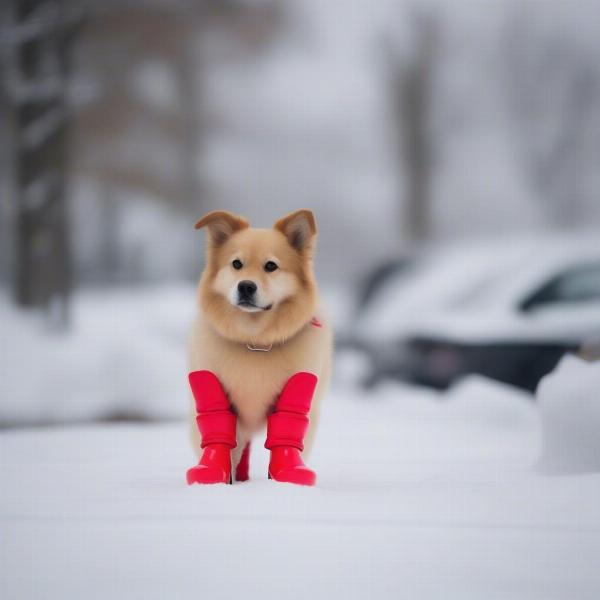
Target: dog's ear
221, 225
299, 227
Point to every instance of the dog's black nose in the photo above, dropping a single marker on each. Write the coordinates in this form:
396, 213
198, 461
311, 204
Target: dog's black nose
246, 288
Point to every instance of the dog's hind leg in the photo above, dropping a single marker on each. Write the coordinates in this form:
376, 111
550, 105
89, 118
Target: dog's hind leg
309, 439
240, 457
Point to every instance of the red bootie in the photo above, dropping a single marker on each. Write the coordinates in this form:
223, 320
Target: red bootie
286, 428
216, 424
242, 471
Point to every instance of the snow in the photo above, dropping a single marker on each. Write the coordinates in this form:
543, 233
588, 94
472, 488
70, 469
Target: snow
497, 404
570, 415
420, 495
124, 356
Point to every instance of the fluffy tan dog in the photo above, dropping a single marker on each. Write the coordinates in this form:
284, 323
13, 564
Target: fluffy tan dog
260, 320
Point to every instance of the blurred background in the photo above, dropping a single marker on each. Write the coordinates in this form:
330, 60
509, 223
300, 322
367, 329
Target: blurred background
450, 150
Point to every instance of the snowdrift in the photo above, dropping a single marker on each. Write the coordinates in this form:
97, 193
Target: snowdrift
570, 415
123, 357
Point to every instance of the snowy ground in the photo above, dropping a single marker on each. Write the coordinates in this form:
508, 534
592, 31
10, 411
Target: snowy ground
418, 497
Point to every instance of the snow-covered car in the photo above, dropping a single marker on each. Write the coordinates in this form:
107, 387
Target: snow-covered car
507, 309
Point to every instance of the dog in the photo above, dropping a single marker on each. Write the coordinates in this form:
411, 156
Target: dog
260, 348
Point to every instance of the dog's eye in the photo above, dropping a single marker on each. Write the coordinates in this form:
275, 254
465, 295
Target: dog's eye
237, 264
270, 266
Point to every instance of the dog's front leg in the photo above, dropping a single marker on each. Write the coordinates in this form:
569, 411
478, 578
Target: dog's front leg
286, 429
217, 425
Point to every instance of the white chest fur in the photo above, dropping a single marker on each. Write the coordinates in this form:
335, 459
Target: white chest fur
253, 379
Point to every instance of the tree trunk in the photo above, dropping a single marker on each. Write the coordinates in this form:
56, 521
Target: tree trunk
412, 81
35, 58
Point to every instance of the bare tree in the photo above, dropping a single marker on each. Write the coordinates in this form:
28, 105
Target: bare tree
36, 36
411, 76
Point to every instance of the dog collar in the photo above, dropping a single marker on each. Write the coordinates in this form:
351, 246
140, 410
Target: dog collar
314, 322
255, 348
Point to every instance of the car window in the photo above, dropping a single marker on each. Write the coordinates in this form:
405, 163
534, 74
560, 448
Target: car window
578, 284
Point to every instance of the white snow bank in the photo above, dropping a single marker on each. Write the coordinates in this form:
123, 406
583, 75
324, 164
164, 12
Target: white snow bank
123, 356
474, 399
569, 405
477, 417
496, 404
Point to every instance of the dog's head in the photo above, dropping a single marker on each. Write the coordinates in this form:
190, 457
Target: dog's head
258, 284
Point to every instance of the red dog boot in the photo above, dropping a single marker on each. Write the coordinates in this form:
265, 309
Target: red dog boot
216, 424
286, 428
242, 471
